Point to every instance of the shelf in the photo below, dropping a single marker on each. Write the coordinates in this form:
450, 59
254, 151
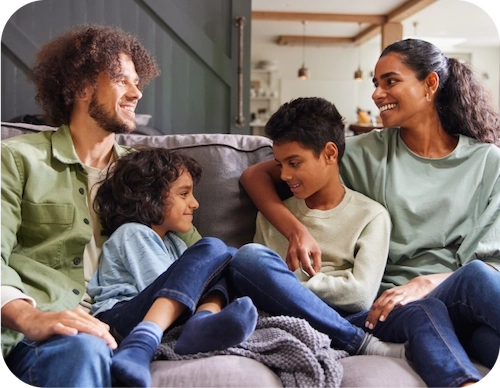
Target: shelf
264, 70
257, 123
264, 98
363, 128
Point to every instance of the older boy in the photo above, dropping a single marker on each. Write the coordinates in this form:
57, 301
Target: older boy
352, 230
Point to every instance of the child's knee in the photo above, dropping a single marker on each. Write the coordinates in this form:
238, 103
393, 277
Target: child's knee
249, 251
214, 243
251, 257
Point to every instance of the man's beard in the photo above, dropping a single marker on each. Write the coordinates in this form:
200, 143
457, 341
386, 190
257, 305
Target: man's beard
108, 122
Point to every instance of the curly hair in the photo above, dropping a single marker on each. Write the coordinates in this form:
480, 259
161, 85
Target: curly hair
137, 185
72, 61
463, 104
310, 121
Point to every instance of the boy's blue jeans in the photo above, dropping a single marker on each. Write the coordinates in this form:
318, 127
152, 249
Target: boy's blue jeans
84, 360
261, 274
436, 352
199, 271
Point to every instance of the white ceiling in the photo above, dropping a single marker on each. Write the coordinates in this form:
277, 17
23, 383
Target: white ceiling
448, 23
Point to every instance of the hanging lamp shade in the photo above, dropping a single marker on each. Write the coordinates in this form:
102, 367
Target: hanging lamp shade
358, 75
303, 71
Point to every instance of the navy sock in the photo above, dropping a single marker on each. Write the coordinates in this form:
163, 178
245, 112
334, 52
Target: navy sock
130, 363
206, 331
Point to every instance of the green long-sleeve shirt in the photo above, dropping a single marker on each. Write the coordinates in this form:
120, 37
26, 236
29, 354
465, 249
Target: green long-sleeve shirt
445, 212
45, 221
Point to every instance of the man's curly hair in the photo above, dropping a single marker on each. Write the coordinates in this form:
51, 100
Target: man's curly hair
72, 61
137, 185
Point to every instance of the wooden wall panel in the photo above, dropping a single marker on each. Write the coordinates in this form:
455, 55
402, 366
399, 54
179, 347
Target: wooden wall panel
194, 41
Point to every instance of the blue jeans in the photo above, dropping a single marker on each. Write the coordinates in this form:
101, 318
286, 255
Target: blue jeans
84, 360
435, 349
200, 270
472, 295
259, 273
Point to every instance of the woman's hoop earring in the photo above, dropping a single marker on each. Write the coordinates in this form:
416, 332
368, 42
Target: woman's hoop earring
427, 97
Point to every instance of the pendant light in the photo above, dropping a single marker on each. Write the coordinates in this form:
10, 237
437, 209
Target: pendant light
358, 74
303, 71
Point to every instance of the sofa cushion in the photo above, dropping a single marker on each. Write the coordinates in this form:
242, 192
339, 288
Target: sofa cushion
378, 371
216, 371
15, 129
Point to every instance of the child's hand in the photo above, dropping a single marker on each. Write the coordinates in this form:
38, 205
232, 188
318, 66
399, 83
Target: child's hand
304, 252
304, 272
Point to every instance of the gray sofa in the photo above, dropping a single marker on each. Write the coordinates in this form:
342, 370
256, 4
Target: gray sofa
228, 213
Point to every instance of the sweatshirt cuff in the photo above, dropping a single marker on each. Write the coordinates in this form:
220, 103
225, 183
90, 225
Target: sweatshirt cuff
10, 293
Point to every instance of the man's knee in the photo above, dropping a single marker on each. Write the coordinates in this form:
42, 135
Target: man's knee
475, 271
89, 346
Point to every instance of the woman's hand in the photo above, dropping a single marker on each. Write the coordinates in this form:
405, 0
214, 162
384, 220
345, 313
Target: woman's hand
415, 289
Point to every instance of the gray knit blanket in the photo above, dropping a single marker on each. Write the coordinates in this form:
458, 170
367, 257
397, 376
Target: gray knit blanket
300, 355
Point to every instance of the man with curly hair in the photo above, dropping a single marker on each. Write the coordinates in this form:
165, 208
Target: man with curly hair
88, 82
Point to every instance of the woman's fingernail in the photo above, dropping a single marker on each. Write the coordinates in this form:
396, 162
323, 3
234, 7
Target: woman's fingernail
382, 318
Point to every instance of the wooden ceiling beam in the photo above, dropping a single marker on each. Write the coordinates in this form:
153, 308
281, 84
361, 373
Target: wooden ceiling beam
407, 9
367, 34
318, 17
361, 38
284, 40
399, 14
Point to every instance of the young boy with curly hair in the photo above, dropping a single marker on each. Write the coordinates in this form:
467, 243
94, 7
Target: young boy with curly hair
147, 279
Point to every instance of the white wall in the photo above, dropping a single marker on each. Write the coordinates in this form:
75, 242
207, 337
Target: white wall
332, 72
